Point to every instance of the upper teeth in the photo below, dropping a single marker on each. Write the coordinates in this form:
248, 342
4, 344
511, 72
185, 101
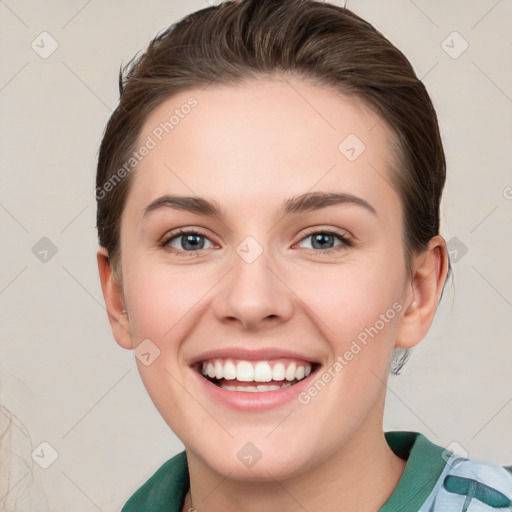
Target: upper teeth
257, 371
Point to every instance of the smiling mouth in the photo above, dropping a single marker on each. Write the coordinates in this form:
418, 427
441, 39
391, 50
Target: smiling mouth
255, 376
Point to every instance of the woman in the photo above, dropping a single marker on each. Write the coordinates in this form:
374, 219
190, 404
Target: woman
268, 215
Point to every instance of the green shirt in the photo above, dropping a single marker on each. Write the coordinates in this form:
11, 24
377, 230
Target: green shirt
434, 480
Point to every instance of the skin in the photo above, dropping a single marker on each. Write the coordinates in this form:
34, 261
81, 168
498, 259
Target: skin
249, 148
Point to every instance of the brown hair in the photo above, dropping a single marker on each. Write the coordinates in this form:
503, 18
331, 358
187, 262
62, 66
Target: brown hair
248, 39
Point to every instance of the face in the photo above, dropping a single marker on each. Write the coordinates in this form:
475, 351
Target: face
274, 283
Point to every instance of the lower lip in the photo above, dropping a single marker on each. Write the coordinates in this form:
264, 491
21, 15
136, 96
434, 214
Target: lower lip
256, 400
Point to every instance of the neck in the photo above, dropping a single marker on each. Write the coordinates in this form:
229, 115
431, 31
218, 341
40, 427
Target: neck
357, 478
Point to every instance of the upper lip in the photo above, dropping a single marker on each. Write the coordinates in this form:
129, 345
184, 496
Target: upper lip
262, 354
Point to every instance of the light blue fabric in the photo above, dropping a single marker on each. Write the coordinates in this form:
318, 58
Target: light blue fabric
467, 485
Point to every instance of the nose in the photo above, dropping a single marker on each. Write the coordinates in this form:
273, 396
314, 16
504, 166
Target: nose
254, 294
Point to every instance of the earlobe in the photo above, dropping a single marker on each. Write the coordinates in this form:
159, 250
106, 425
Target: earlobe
425, 287
114, 301
413, 306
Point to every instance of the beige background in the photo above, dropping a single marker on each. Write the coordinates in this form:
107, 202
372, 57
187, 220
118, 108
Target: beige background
62, 374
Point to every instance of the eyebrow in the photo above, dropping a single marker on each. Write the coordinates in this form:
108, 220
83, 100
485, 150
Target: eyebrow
303, 203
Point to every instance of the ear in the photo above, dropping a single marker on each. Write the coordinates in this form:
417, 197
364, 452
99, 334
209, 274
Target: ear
114, 302
429, 271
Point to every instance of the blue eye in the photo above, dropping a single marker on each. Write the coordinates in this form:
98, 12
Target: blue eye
322, 241
188, 241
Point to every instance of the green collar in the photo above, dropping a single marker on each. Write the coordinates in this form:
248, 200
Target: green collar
424, 467
166, 489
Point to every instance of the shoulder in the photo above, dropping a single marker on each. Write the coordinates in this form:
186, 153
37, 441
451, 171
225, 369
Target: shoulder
437, 480
464, 482
164, 490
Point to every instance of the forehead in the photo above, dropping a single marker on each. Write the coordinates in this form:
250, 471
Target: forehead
270, 136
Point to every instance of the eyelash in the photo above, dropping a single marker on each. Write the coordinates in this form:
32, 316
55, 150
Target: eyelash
345, 241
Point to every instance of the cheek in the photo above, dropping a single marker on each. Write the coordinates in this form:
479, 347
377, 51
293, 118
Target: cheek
160, 301
159, 298
352, 296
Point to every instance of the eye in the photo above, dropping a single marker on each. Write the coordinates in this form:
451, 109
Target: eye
186, 240
324, 240
193, 240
